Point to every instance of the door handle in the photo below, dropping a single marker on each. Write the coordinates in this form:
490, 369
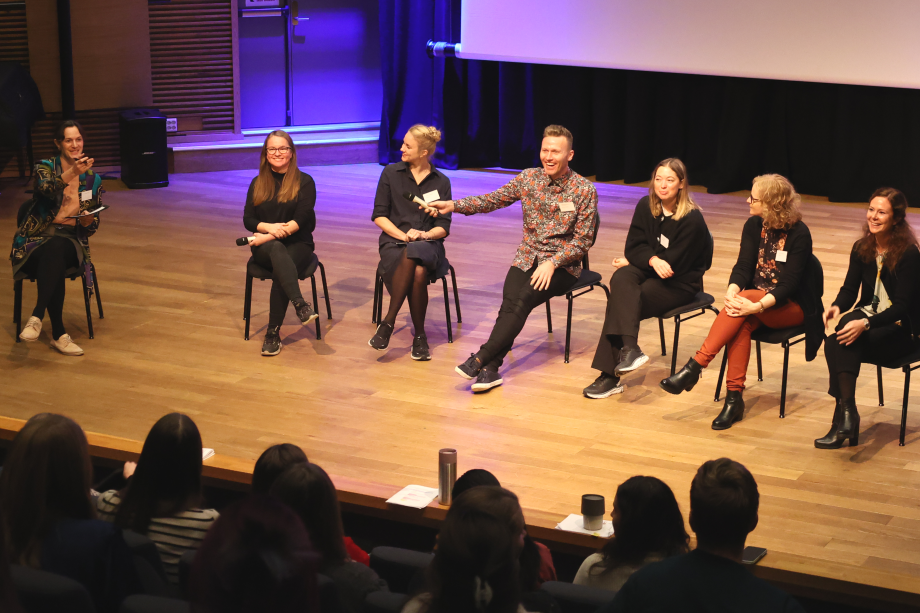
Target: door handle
294, 12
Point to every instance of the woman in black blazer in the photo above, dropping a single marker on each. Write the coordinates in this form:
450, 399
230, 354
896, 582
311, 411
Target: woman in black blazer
885, 270
770, 285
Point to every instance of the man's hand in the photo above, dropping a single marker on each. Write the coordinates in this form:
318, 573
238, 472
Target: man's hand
619, 263
662, 268
851, 331
438, 207
413, 235
543, 275
830, 314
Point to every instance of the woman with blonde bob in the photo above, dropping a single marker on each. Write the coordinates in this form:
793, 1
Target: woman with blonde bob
662, 269
279, 212
411, 241
769, 286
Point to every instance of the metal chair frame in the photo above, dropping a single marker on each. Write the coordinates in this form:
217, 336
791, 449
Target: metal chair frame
247, 301
377, 307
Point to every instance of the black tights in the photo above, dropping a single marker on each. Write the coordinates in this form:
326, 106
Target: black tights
47, 264
410, 279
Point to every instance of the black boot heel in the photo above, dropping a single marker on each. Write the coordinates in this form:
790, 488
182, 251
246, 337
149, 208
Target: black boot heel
847, 427
854, 440
732, 411
683, 380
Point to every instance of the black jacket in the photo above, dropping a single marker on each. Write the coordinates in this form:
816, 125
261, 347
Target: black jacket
301, 210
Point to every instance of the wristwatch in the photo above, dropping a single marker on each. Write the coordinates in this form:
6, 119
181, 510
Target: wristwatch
867, 323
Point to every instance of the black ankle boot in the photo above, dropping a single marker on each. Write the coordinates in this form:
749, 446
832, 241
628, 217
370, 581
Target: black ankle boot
732, 411
684, 379
847, 427
831, 436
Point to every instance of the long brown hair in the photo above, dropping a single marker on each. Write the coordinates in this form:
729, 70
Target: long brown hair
900, 237
780, 202
685, 202
46, 477
265, 182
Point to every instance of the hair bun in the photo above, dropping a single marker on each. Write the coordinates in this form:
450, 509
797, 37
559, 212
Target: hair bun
434, 133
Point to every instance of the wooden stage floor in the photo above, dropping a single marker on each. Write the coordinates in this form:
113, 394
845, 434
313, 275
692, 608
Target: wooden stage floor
172, 340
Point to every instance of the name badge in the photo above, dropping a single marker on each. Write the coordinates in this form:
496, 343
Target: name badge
86, 195
431, 196
780, 256
566, 207
664, 241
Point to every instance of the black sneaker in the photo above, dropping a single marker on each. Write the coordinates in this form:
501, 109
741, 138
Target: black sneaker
469, 369
381, 339
604, 386
487, 379
272, 343
420, 349
631, 358
305, 312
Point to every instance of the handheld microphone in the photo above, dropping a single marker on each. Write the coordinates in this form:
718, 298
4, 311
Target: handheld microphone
243, 241
413, 198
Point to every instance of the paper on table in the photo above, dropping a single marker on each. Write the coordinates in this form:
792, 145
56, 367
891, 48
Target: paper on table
206, 453
576, 523
415, 496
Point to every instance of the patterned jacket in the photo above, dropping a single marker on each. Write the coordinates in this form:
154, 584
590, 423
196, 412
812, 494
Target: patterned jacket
44, 207
550, 233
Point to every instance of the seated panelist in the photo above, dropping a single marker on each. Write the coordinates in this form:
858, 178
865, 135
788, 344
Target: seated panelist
663, 268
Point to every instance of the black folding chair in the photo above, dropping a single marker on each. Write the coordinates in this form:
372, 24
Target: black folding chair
254, 271
377, 308
72, 274
906, 364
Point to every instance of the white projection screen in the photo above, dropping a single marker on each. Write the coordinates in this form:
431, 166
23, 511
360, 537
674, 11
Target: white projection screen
860, 42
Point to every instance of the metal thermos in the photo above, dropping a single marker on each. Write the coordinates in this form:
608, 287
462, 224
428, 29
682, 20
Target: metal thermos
592, 511
447, 474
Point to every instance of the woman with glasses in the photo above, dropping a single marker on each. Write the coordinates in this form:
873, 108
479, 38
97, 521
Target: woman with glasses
279, 212
411, 241
768, 287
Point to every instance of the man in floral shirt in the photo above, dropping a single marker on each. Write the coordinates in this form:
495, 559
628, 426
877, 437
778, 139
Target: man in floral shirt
560, 212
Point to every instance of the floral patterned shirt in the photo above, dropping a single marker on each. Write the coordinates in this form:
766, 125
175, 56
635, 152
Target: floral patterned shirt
765, 273
550, 233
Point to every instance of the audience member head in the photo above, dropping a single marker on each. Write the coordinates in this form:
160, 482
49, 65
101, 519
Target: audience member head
274, 461
256, 557
309, 491
167, 479
774, 198
669, 182
420, 143
68, 138
475, 566
280, 155
723, 506
646, 521
46, 477
886, 225
473, 478
556, 150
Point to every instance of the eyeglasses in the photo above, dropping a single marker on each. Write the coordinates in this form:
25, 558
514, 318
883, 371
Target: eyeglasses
274, 150
754, 200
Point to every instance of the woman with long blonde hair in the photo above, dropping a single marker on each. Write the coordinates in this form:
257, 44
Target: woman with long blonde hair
769, 286
279, 212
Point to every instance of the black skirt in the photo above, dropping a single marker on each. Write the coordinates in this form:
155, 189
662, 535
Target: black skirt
429, 254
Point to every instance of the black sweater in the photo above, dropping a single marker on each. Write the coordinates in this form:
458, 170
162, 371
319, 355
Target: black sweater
902, 287
789, 273
688, 244
271, 211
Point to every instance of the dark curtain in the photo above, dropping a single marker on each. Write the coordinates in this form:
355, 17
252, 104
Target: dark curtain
839, 141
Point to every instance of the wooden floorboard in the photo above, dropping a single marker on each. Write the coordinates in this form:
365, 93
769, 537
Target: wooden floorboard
172, 340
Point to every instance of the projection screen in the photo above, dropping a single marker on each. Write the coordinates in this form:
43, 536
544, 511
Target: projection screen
860, 42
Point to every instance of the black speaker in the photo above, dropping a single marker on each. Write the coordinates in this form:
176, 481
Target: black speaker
142, 134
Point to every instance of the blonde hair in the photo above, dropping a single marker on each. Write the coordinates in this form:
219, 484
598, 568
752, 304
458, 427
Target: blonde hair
779, 201
265, 182
557, 130
428, 137
685, 202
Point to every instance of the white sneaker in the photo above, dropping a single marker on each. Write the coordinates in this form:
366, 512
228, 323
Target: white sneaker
66, 346
32, 330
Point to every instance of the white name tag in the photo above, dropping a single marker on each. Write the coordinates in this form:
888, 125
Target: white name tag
431, 196
86, 195
664, 241
780, 256
566, 207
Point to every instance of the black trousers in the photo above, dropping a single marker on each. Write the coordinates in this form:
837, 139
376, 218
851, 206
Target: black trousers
47, 264
519, 298
634, 296
286, 263
887, 342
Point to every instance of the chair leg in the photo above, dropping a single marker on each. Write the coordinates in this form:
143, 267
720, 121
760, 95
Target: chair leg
759, 363
568, 328
89, 313
379, 301
17, 307
322, 272
549, 318
376, 298
247, 303
664, 350
904, 406
721, 375
881, 394
450, 332
98, 295
674, 350
319, 333
453, 280
782, 394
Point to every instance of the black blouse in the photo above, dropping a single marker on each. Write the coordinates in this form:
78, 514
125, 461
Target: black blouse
395, 180
271, 211
788, 275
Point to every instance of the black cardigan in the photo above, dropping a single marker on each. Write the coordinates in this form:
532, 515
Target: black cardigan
688, 241
902, 286
300, 210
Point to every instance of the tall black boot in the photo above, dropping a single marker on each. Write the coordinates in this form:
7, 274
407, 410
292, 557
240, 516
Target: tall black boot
831, 436
847, 428
732, 411
684, 379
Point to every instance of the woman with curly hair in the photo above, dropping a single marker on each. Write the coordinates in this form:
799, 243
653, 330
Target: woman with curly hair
769, 286
884, 270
